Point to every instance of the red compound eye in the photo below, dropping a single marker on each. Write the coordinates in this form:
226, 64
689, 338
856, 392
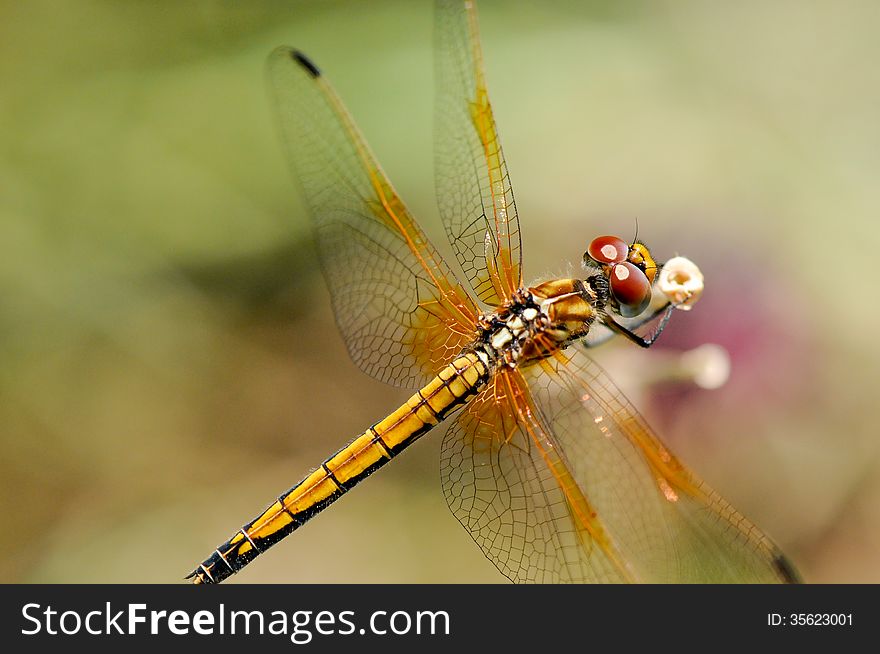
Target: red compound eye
608, 250
630, 288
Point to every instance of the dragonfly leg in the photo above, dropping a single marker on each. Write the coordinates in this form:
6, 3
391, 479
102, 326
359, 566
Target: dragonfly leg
642, 341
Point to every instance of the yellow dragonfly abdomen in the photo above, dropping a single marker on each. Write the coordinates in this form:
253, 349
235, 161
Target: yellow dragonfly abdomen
453, 386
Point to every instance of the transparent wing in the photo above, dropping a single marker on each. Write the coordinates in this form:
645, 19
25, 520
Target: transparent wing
667, 524
505, 482
558, 479
401, 311
473, 186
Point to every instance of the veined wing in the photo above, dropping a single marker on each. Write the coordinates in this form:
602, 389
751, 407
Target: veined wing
401, 311
506, 482
558, 479
473, 186
667, 524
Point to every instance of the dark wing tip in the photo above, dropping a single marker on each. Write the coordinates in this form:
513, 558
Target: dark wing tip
305, 62
786, 570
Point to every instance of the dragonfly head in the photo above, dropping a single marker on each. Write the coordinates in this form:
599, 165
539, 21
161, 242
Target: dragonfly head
629, 269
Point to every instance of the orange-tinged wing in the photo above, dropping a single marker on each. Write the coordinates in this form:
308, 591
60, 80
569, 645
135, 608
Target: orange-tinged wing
558, 478
505, 481
668, 524
401, 311
473, 186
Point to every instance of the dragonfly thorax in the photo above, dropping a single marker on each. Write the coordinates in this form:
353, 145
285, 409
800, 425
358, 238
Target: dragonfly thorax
536, 322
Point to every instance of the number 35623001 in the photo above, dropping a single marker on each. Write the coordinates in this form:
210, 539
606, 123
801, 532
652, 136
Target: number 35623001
809, 619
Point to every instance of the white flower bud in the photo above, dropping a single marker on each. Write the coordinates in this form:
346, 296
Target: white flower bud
681, 282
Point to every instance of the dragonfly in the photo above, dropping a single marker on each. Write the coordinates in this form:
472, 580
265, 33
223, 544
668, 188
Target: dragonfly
545, 463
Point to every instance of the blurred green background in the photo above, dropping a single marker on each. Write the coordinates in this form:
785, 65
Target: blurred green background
169, 359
